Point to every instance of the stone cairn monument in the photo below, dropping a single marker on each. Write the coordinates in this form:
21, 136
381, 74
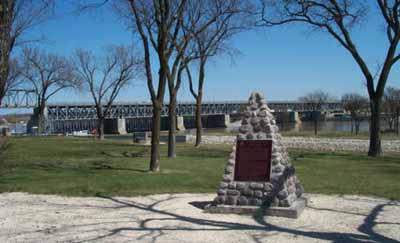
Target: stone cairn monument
249, 182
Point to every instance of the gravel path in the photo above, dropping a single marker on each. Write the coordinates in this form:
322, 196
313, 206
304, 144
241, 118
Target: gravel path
178, 218
326, 144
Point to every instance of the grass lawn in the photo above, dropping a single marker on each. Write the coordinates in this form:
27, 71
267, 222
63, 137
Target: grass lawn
2, 143
84, 167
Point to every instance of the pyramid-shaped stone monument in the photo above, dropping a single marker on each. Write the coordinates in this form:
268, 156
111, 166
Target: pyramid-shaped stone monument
258, 173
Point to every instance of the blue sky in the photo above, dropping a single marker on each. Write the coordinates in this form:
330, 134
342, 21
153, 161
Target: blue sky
283, 62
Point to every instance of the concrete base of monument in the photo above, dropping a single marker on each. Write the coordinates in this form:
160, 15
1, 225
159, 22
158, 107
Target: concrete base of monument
293, 211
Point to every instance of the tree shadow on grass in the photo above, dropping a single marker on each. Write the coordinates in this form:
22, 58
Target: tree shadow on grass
206, 152
120, 169
85, 168
126, 154
263, 227
112, 144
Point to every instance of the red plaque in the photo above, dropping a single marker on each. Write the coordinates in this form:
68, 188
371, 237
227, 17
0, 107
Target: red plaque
253, 160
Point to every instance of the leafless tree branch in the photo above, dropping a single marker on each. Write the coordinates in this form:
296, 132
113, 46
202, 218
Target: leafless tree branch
17, 17
104, 76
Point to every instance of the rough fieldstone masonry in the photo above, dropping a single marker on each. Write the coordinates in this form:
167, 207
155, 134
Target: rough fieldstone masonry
283, 188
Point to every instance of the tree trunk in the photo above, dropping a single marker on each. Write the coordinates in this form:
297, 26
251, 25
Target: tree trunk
199, 101
397, 121
375, 148
41, 119
1, 93
172, 125
199, 124
4, 70
100, 121
316, 115
3, 79
352, 121
391, 122
155, 137
100, 128
357, 126
357, 122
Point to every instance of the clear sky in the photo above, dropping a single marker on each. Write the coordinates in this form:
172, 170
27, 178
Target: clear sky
282, 62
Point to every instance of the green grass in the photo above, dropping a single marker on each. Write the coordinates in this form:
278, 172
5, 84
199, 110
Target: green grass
348, 173
84, 167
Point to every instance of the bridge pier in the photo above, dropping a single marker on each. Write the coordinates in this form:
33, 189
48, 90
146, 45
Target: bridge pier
287, 116
121, 126
208, 121
227, 121
310, 115
297, 118
34, 121
180, 123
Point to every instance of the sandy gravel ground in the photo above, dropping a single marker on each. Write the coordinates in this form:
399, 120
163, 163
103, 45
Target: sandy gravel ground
178, 218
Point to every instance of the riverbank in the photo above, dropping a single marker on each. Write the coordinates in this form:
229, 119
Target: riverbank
316, 143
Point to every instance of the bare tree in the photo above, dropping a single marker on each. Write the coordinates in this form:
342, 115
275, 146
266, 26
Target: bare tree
13, 78
17, 17
199, 18
316, 100
188, 17
195, 18
391, 102
104, 76
213, 41
47, 74
160, 27
158, 24
337, 18
355, 104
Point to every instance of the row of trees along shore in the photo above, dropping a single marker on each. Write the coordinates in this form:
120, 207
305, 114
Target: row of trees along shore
179, 37
103, 76
357, 106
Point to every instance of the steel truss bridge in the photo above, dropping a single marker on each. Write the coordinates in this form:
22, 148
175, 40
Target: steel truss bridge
19, 98
26, 98
137, 110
